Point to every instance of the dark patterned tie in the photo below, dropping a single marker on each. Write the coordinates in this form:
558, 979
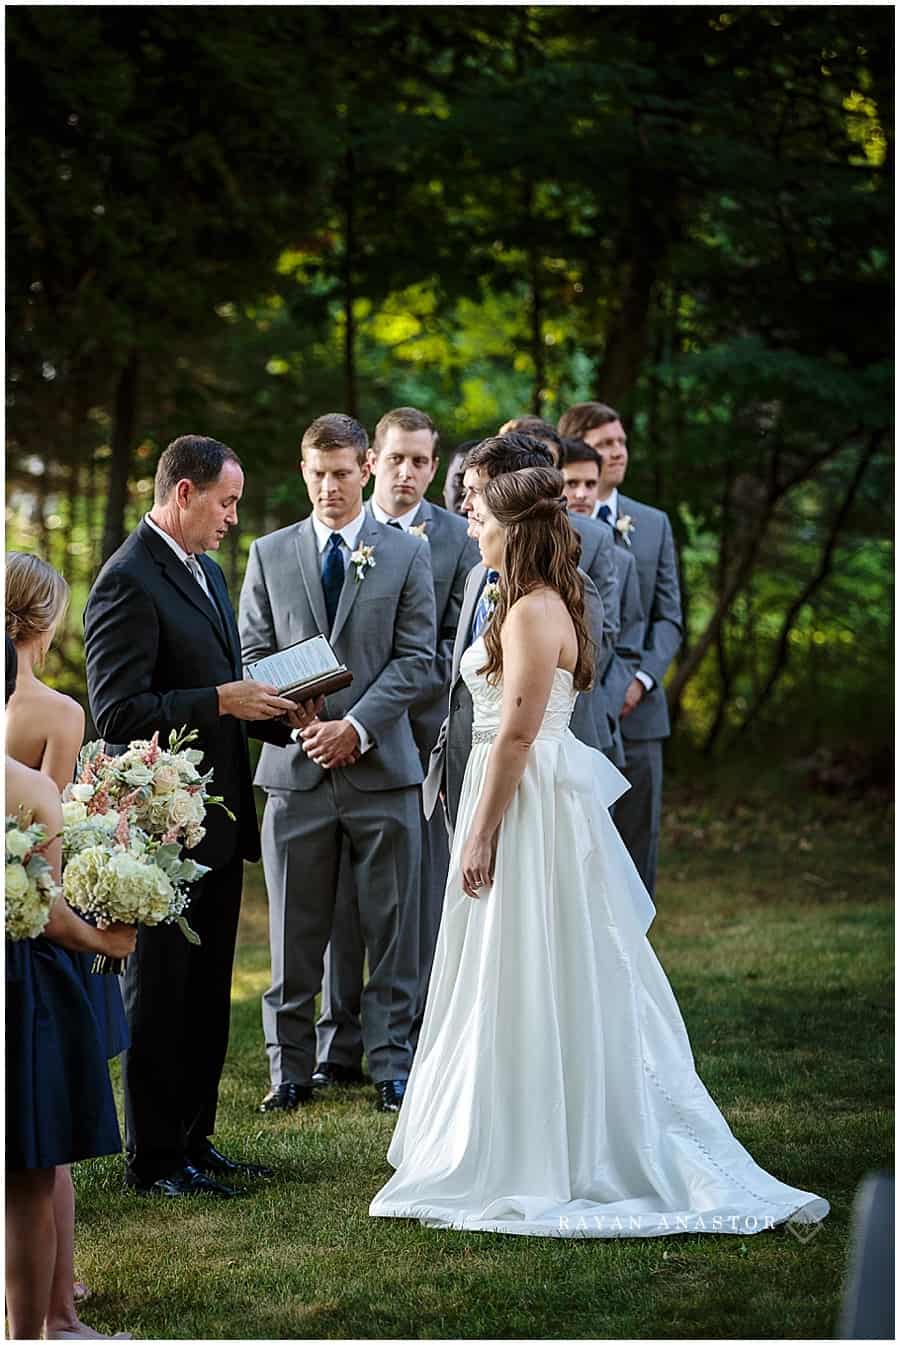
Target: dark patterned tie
332, 577
485, 606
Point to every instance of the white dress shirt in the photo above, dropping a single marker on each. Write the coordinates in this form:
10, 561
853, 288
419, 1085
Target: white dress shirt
184, 556
349, 534
405, 520
612, 501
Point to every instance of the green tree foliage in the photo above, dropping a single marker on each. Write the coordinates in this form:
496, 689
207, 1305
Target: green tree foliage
237, 219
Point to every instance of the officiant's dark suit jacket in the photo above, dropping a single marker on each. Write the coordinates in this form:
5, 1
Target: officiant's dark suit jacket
156, 651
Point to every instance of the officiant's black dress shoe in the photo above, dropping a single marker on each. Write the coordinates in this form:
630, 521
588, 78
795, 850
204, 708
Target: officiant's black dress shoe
188, 1181
390, 1094
208, 1159
326, 1073
286, 1097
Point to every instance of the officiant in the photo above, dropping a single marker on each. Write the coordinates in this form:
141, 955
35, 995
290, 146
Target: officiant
163, 652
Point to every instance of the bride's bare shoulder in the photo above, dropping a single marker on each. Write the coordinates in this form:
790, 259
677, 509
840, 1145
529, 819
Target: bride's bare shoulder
537, 608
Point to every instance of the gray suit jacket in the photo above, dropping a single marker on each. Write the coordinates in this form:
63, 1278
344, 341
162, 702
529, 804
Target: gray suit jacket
653, 547
383, 630
453, 553
451, 752
598, 562
627, 655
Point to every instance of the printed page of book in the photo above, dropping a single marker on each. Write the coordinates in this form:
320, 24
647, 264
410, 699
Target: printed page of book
291, 667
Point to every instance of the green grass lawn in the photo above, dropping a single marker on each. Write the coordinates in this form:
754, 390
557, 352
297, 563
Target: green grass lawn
774, 924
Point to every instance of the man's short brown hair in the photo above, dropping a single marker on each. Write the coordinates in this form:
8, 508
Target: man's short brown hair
335, 430
507, 453
403, 418
535, 427
585, 416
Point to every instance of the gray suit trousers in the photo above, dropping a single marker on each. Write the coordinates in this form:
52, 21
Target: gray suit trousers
303, 837
338, 1031
637, 813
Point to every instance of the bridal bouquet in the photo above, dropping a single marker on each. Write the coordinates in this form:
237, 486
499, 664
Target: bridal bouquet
29, 889
126, 820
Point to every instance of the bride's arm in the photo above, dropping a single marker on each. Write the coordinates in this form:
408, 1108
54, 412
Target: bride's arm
531, 640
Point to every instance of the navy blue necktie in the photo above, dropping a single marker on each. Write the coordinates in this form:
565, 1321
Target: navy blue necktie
485, 607
605, 513
332, 577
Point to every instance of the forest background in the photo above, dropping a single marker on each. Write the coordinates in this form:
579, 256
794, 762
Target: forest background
230, 220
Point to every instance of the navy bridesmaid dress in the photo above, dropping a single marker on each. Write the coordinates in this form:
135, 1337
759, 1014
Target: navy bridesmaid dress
105, 997
59, 1102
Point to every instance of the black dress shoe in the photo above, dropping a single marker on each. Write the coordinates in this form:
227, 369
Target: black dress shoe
286, 1097
208, 1159
390, 1094
188, 1181
326, 1073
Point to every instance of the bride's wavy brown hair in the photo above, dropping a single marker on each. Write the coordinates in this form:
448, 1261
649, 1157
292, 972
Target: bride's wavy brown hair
541, 550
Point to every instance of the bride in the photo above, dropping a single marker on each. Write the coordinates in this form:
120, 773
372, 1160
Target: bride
553, 1092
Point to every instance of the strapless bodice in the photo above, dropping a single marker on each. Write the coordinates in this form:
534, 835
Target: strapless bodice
487, 700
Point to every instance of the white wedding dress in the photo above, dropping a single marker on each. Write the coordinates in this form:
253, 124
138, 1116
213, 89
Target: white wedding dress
553, 1091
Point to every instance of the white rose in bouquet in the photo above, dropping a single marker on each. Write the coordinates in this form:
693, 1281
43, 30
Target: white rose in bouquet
16, 884
83, 793
166, 779
183, 809
18, 844
138, 775
73, 811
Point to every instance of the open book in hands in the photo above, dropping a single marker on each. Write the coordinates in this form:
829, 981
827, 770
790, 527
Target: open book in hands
303, 671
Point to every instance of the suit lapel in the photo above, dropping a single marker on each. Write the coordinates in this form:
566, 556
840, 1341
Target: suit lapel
311, 571
466, 613
179, 575
423, 515
218, 590
368, 535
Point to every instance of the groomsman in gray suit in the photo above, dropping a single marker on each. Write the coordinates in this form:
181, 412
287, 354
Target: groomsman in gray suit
354, 774
647, 534
403, 460
490, 458
581, 466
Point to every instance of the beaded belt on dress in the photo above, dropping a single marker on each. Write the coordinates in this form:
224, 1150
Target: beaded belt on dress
483, 735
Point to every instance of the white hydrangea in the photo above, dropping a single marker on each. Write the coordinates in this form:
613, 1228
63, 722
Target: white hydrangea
30, 890
119, 885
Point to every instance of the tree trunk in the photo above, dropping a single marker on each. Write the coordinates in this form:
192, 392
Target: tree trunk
538, 353
350, 396
813, 584
739, 577
124, 421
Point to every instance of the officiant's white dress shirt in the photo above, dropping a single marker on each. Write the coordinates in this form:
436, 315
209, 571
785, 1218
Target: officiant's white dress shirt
184, 556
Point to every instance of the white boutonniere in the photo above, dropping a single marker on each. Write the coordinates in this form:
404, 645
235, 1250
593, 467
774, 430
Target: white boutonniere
362, 558
418, 530
491, 593
625, 527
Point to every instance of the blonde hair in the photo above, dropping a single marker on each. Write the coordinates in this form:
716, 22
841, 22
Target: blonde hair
36, 596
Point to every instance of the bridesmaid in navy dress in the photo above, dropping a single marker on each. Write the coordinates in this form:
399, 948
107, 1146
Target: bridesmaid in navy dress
44, 730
